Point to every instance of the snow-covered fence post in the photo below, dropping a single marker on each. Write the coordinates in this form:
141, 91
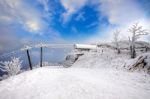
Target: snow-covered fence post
41, 46
41, 57
26, 48
29, 59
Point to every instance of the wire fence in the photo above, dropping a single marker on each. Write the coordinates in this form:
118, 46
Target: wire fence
26, 51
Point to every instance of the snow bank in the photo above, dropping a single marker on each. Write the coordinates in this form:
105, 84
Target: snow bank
76, 83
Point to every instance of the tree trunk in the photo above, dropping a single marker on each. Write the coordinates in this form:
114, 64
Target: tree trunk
146, 49
119, 51
133, 52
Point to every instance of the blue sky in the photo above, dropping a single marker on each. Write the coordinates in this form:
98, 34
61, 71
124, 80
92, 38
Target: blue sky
67, 21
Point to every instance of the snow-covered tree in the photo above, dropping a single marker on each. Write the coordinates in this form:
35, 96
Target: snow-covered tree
12, 67
116, 40
137, 31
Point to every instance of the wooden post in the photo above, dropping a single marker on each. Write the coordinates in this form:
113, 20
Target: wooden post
41, 57
30, 64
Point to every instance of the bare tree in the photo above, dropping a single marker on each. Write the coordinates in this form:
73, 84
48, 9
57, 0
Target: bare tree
12, 67
137, 31
116, 40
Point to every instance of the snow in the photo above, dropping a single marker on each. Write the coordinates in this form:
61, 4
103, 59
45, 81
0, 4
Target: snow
103, 58
108, 58
97, 74
76, 83
146, 60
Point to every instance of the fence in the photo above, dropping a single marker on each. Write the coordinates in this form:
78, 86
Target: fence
41, 46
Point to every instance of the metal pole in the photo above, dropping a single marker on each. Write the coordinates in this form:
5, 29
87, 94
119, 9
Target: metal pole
30, 64
41, 57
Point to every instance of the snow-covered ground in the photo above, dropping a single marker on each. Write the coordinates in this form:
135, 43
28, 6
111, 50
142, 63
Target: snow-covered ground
97, 74
108, 58
102, 58
76, 83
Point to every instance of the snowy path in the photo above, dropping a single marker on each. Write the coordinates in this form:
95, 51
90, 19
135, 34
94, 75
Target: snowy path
76, 83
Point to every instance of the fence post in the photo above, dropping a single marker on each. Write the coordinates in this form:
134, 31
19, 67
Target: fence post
30, 64
41, 57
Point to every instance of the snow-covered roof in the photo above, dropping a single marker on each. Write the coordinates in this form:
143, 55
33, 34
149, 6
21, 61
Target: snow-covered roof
85, 46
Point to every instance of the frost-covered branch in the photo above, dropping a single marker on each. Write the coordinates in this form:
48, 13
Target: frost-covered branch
12, 67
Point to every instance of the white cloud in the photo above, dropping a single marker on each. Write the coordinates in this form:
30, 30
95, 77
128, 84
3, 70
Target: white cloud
80, 16
122, 13
71, 7
119, 12
55, 36
32, 26
8, 39
19, 11
45, 4
106, 34
92, 25
47, 8
74, 30
5, 18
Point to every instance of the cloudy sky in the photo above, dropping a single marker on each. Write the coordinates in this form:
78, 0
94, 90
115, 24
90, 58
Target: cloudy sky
67, 21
